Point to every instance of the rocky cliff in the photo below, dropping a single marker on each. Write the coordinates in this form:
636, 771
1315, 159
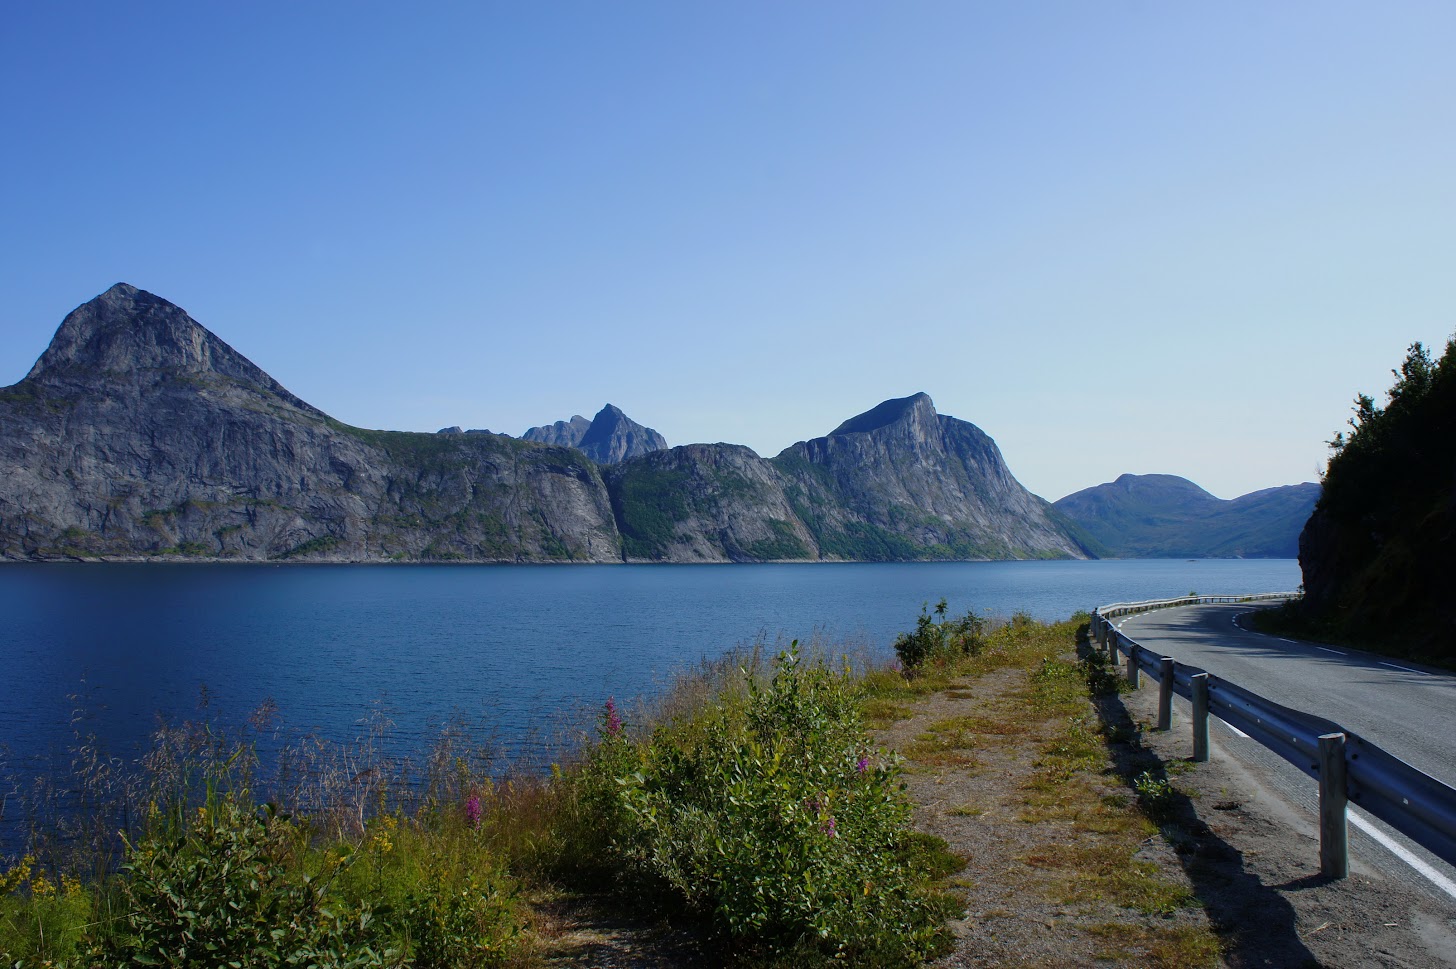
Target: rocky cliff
706, 503
563, 433
902, 482
1165, 516
139, 434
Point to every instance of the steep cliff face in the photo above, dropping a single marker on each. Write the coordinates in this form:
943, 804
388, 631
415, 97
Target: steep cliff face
139, 433
903, 482
705, 503
1163, 515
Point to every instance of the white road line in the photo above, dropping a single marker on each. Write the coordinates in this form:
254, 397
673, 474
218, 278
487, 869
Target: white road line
1405, 669
1434, 877
1236, 730
1328, 650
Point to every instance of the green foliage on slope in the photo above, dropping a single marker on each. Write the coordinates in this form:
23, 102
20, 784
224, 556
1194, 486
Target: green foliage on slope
1377, 550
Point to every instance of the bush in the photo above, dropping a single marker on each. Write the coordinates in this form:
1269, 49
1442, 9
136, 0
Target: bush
940, 640
224, 894
769, 816
41, 918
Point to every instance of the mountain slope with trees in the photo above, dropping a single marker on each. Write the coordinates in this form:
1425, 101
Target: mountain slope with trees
1376, 554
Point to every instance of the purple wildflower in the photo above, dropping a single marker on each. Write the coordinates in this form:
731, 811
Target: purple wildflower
473, 811
613, 719
828, 827
862, 765
813, 805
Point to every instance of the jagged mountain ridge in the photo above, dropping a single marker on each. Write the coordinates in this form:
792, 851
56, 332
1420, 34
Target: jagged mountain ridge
562, 433
1165, 516
609, 438
140, 434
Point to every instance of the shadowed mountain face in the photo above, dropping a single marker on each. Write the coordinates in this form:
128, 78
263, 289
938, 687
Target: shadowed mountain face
139, 434
1165, 516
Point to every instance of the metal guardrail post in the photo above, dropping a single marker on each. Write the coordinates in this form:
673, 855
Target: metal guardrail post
1334, 834
1200, 718
1134, 675
1165, 693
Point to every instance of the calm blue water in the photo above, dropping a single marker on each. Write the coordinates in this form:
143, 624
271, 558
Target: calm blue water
508, 648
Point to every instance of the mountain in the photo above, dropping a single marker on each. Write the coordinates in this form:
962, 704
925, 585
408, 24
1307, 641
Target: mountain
608, 438
902, 482
139, 434
614, 437
564, 433
1165, 516
706, 503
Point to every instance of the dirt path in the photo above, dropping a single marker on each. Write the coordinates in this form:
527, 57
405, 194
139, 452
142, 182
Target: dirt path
1044, 851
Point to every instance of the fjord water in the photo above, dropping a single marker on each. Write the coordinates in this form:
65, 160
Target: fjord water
510, 649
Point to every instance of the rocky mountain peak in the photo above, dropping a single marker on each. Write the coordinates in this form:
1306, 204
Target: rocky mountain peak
562, 433
915, 409
127, 330
614, 437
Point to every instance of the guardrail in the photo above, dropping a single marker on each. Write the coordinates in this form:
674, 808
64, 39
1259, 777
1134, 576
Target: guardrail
1349, 768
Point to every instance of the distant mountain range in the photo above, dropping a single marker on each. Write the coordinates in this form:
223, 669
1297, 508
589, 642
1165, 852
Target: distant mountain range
1164, 516
139, 434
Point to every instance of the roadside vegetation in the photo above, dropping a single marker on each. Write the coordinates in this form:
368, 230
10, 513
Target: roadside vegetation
1382, 533
751, 806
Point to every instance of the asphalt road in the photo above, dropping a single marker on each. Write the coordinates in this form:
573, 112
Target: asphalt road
1407, 709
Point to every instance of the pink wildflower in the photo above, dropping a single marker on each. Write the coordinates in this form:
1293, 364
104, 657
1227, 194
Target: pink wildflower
473, 811
613, 719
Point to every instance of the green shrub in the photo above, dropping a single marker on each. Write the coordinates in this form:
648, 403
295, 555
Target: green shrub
41, 918
455, 923
770, 817
225, 893
941, 640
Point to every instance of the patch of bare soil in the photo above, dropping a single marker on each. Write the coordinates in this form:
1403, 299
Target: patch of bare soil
599, 933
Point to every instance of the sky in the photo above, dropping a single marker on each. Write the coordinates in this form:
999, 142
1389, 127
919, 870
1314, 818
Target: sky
1120, 237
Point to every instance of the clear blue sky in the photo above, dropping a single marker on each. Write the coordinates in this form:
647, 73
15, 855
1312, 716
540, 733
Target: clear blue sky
1118, 236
